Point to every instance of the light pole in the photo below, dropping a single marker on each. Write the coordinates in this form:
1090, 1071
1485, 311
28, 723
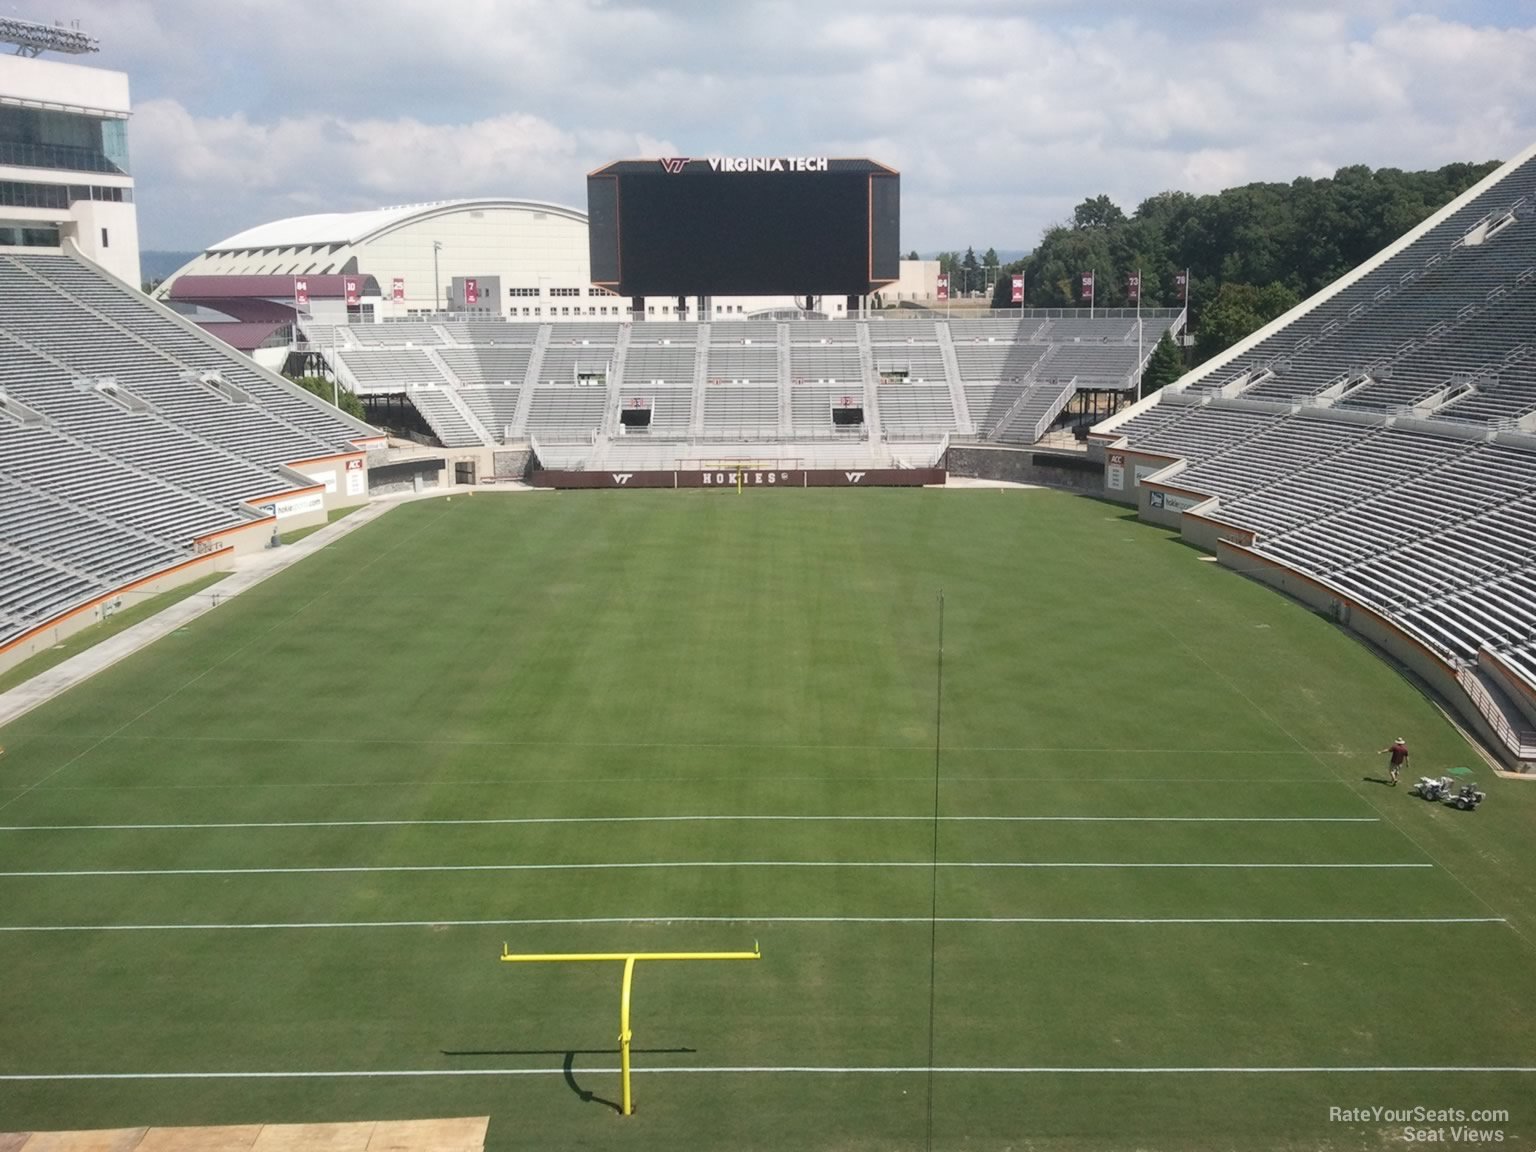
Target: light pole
437, 288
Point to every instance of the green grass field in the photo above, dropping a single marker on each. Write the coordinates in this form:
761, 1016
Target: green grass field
292, 838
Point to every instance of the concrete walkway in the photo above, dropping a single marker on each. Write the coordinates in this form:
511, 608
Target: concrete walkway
248, 571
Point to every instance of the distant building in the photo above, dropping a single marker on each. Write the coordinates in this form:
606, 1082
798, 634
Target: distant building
487, 258
64, 172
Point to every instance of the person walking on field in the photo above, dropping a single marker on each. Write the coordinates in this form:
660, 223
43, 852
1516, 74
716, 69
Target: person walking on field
1399, 750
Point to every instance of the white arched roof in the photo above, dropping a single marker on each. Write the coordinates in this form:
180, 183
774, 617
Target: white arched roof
356, 227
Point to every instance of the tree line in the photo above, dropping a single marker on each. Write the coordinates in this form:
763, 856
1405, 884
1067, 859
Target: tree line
1251, 252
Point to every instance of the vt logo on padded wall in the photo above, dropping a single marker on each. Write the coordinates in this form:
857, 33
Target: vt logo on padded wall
854, 477
674, 164
622, 477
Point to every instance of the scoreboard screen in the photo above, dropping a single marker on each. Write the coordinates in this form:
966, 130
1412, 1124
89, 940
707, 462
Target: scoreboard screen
744, 226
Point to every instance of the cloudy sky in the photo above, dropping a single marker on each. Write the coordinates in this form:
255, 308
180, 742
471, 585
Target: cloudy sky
1000, 114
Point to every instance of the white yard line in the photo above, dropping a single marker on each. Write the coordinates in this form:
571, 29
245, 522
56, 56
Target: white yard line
647, 864
586, 921
795, 1069
924, 820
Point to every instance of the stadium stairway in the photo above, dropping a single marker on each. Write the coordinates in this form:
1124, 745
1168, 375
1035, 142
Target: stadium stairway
963, 422
786, 416
700, 380
610, 424
871, 386
1508, 721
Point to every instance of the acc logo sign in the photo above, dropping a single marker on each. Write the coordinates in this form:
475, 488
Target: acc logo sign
854, 477
622, 477
674, 164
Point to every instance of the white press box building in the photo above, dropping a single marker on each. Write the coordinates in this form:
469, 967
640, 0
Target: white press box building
64, 172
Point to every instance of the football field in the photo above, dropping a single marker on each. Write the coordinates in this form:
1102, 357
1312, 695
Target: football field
263, 870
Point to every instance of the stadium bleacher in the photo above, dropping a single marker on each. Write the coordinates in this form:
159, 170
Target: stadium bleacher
929, 369
1382, 439
127, 438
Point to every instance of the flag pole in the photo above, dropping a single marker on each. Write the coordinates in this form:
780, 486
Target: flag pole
1139, 352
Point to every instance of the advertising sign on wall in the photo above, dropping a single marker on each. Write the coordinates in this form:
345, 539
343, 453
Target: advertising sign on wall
1114, 472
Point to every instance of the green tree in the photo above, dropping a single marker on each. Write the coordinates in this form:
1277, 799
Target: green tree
1164, 366
1240, 310
1099, 212
1002, 289
912, 255
970, 272
324, 389
989, 258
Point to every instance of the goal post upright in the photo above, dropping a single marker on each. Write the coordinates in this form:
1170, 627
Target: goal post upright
629, 960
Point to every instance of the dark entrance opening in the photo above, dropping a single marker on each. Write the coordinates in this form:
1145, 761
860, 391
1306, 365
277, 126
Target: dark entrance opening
850, 416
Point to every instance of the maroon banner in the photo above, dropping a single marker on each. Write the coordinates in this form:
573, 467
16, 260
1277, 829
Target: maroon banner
943, 285
300, 291
349, 289
1018, 289
1181, 282
1088, 285
729, 479
471, 291
1133, 287
397, 288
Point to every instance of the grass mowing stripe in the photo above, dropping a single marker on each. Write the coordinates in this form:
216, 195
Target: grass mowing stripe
1371, 802
645, 864
639, 779
707, 745
687, 819
579, 921
219, 663
792, 1069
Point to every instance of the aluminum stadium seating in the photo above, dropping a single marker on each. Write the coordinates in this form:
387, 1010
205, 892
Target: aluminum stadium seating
741, 411
126, 438
81, 287
916, 411
825, 362
393, 369
755, 363
490, 332
659, 363
495, 406
500, 364
1036, 408
671, 408
447, 422
566, 413
811, 407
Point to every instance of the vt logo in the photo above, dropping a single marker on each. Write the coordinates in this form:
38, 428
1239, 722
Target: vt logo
622, 477
854, 477
674, 164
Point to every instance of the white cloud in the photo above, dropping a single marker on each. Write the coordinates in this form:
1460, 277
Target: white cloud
1001, 114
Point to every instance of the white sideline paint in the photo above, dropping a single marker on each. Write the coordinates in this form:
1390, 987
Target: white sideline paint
927, 819
583, 921
643, 864
786, 1069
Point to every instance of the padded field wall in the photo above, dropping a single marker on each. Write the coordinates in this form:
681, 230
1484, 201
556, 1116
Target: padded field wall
1365, 622
729, 479
57, 631
1071, 470
1149, 482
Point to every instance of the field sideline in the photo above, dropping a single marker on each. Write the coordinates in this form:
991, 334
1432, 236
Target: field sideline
262, 871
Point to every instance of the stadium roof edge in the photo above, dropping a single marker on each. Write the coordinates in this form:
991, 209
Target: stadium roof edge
1241, 348
356, 227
